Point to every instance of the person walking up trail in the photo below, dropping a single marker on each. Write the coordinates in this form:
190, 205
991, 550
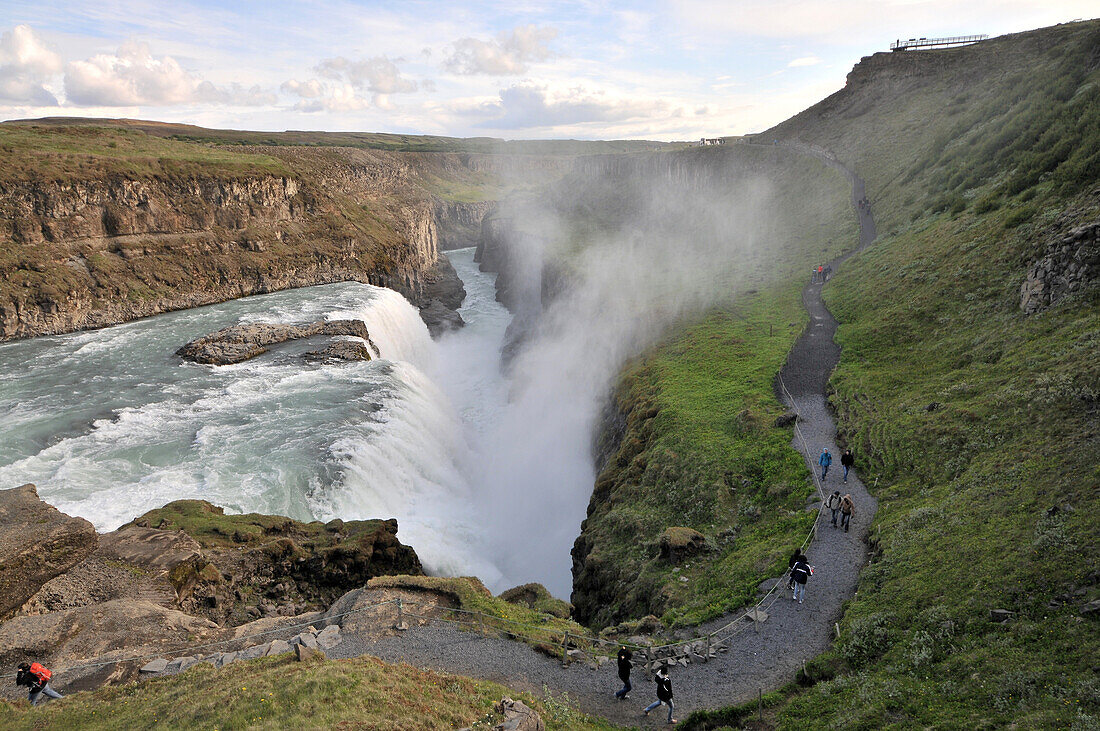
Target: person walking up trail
36, 677
847, 507
625, 657
795, 558
846, 461
664, 694
825, 460
833, 504
800, 573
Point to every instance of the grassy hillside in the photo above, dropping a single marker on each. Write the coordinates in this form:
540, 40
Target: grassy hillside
369, 140
977, 422
281, 693
700, 448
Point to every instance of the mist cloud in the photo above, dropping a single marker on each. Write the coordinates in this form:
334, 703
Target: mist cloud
26, 63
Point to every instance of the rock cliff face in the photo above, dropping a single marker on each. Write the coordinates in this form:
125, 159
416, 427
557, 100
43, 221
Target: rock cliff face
459, 224
1071, 264
103, 250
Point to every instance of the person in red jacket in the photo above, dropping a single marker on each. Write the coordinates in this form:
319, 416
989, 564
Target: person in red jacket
36, 677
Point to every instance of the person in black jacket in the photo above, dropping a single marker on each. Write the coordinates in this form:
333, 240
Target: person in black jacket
795, 558
846, 461
625, 657
800, 572
664, 694
37, 678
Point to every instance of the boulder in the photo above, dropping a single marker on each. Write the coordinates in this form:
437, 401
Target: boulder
329, 637
518, 717
1000, 615
306, 639
678, 543
304, 653
785, 420
277, 647
154, 666
225, 658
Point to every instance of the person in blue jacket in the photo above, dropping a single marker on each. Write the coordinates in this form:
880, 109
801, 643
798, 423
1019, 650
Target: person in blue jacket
825, 460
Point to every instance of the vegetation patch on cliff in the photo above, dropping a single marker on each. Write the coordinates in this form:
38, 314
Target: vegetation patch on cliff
279, 692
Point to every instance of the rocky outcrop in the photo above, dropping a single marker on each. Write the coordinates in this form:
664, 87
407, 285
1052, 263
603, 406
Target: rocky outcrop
253, 566
37, 544
239, 343
1070, 265
441, 296
341, 350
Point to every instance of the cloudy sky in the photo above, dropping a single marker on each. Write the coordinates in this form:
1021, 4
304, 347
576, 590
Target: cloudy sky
656, 69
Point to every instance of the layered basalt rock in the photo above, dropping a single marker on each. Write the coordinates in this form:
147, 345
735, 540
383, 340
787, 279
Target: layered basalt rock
239, 343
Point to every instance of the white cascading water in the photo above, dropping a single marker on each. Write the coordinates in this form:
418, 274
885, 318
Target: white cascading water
109, 425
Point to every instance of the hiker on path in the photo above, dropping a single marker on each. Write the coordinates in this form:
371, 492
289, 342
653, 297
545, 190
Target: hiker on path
37, 678
833, 504
825, 460
826, 273
795, 558
664, 693
846, 461
625, 657
800, 572
847, 507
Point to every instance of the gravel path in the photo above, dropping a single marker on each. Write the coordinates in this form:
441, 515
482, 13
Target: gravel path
762, 657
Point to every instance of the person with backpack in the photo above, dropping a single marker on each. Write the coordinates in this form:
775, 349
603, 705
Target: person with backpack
833, 504
825, 460
664, 693
625, 657
800, 573
846, 461
847, 507
36, 677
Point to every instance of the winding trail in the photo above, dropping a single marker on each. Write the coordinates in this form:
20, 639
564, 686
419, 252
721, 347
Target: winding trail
762, 657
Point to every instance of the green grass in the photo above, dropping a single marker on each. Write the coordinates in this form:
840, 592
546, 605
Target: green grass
279, 692
932, 317
46, 153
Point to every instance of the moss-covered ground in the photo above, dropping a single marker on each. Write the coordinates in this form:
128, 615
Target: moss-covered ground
281, 693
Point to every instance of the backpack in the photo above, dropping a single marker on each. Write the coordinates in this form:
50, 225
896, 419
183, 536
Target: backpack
41, 672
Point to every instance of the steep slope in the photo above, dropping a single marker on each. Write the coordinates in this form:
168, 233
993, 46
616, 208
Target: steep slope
968, 386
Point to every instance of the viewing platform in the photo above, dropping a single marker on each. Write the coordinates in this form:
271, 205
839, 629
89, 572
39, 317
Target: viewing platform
914, 43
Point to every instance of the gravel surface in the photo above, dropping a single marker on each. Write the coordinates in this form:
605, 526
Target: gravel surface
760, 657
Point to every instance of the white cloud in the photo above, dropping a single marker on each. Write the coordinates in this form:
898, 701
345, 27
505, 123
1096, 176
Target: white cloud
804, 61
26, 63
345, 85
133, 76
508, 55
378, 75
529, 105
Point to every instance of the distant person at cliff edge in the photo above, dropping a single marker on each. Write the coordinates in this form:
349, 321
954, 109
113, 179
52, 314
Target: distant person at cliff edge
625, 657
664, 693
847, 507
846, 461
37, 678
825, 460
